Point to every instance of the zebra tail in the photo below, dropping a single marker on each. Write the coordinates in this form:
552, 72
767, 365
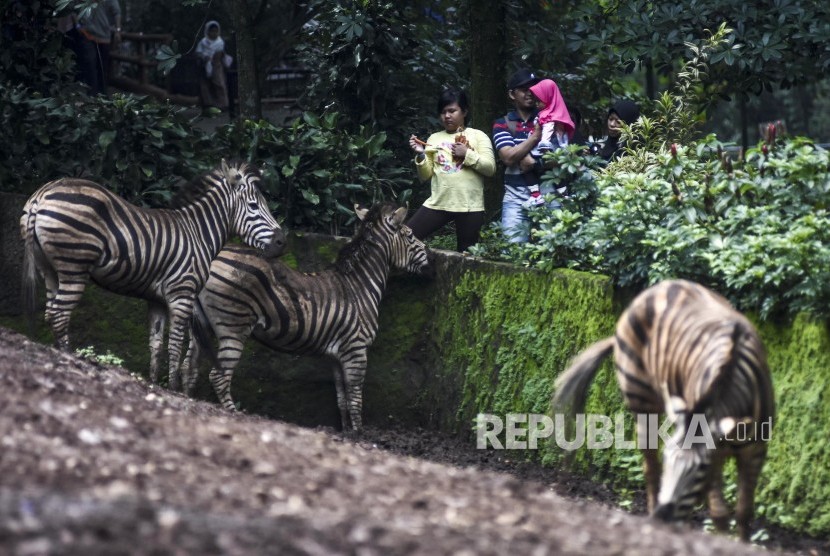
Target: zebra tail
202, 333
572, 385
29, 279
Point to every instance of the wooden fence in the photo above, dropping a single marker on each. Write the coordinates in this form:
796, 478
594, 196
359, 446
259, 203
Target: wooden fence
139, 59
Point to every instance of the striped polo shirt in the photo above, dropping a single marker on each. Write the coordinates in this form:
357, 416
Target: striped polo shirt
503, 138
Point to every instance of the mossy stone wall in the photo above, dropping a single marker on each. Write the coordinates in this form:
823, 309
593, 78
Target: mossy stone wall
505, 334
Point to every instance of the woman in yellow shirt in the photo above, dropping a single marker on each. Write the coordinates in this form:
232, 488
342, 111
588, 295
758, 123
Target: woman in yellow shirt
455, 160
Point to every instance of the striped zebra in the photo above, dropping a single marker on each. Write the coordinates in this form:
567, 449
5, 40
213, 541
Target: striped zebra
333, 313
681, 349
75, 231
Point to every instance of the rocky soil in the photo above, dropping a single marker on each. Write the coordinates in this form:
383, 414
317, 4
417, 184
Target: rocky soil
95, 461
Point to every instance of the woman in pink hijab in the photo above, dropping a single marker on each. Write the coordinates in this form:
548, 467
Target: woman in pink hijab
554, 117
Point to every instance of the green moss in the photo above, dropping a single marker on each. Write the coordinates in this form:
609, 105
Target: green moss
510, 334
795, 485
504, 336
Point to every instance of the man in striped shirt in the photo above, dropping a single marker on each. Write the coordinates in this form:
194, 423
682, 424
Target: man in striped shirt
514, 136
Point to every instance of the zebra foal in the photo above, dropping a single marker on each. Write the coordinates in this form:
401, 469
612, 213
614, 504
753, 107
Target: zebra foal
75, 231
333, 313
681, 349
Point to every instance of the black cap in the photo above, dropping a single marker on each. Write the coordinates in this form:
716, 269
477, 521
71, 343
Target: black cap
522, 78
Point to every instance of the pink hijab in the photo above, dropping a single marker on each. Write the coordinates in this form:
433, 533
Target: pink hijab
555, 110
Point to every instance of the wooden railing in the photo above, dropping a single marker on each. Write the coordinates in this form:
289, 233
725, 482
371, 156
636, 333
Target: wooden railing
140, 56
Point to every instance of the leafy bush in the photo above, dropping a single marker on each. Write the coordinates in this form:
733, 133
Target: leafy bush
137, 147
314, 168
31, 47
756, 228
317, 169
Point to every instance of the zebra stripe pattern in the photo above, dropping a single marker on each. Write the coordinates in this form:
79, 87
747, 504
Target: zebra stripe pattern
682, 349
333, 313
76, 231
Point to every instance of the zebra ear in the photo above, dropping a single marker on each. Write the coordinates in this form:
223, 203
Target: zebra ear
398, 217
361, 212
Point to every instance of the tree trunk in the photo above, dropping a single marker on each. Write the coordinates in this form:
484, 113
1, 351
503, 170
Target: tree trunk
487, 37
250, 107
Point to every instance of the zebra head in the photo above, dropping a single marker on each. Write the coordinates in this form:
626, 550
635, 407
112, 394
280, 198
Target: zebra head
687, 457
250, 217
406, 252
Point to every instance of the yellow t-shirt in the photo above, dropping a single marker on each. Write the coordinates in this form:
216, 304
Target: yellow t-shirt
457, 187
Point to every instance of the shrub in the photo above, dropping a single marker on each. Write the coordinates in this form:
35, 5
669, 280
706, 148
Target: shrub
317, 169
755, 228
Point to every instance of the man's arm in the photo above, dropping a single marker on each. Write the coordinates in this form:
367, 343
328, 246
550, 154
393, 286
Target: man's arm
517, 154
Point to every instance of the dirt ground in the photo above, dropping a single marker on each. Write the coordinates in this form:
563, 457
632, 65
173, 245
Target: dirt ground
96, 461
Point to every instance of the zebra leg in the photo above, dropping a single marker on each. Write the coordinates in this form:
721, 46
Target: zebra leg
180, 313
230, 350
220, 379
717, 506
67, 294
157, 317
340, 385
651, 464
749, 464
354, 372
190, 366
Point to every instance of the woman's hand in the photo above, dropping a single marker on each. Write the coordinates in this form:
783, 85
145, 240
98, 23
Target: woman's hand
459, 151
416, 145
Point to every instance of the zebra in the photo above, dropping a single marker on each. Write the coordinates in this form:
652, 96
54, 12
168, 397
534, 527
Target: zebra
75, 231
332, 313
682, 349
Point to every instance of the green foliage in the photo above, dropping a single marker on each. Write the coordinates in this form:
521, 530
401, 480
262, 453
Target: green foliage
31, 48
136, 146
553, 245
317, 168
314, 168
380, 64
784, 45
107, 358
755, 228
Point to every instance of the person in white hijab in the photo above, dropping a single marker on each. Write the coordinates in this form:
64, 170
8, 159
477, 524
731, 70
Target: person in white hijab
213, 87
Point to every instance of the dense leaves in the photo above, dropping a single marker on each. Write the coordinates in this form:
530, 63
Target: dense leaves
314, 169
137, 147
754, 225
317, 169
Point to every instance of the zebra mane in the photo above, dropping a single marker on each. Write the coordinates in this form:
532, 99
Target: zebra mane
349, 255
195, 189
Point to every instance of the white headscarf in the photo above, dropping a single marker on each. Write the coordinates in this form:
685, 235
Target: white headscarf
207, 47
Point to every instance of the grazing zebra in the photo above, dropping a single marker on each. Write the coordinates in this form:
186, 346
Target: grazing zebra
681, 349
75, 230
333, 313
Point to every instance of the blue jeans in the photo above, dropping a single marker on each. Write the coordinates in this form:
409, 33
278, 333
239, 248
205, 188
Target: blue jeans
515, 222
